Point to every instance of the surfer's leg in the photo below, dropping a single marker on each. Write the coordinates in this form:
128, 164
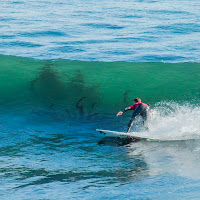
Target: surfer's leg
137, 112
144, 115
130, 124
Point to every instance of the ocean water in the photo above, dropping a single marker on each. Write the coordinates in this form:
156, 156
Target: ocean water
137, 31
67, 68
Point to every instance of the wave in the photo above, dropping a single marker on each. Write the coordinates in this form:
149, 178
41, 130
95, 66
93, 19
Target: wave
94, 86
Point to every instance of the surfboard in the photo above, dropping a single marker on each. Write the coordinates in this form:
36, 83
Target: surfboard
109, 133
132, 135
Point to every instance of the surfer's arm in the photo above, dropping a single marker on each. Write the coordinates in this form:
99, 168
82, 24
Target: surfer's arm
128, 108
125, 110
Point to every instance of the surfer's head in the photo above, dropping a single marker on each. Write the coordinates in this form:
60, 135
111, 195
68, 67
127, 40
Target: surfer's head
137, 100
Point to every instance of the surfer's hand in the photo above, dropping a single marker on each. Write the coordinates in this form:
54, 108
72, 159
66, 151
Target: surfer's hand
119, 113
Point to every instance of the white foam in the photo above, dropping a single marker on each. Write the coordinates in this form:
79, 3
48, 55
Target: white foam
171, 120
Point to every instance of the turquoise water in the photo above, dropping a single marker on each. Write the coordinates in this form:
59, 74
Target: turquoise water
67, 68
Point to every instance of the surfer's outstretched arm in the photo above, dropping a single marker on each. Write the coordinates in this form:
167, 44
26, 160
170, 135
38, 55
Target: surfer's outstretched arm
121, 112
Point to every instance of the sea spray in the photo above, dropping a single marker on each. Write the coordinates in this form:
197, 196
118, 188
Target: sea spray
173, 121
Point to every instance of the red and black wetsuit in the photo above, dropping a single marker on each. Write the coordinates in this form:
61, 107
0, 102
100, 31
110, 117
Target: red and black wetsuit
139, 108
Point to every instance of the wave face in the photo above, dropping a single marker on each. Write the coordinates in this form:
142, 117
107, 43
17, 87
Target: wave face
94, 86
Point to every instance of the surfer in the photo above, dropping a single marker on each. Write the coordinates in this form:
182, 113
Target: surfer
140, 109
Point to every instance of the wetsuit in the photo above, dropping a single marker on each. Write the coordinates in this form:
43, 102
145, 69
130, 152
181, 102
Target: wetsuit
141, 109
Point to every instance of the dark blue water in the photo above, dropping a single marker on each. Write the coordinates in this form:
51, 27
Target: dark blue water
47, 155
67, 160
137, 31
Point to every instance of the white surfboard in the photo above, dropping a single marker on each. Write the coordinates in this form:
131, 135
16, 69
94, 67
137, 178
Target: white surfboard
109, 133
115, 134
